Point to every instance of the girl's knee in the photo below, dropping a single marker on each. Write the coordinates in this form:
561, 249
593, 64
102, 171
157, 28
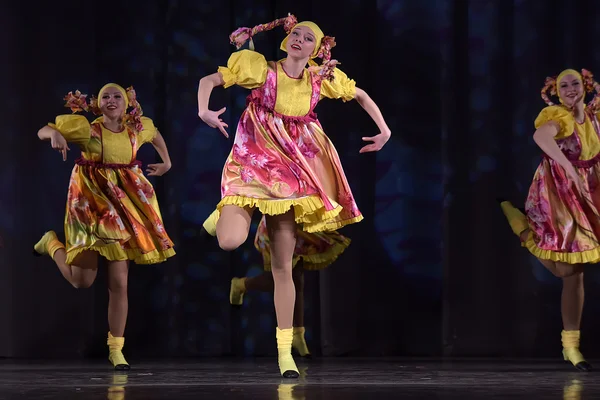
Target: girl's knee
231, 240
569, 271
83, 281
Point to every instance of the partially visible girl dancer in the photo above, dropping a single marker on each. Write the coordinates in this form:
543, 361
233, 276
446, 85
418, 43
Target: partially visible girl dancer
282, 162
313, 252
561, 224
112, 209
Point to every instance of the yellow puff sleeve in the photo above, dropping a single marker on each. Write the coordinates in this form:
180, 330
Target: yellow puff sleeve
74, 128
561, 116
245, 68
147, 134
341, 87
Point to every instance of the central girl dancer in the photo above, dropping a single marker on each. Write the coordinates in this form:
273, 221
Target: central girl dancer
282, 162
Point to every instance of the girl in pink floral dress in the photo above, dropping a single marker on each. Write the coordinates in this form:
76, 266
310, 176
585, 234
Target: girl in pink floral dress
562, 222
282, 162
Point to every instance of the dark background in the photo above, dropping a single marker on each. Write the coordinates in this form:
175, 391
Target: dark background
433, 269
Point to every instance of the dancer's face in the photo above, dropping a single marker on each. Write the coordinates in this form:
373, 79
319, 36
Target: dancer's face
112, 103
570, 88
301, 43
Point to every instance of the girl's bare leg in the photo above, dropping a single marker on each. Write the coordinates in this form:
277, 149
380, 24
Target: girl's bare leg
118, 306
233, 226
282, 234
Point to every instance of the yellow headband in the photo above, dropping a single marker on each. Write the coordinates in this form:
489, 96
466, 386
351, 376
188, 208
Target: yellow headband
315, 29
562, 75
119, 87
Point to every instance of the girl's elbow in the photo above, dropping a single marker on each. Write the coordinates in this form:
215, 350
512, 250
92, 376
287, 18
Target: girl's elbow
359, 94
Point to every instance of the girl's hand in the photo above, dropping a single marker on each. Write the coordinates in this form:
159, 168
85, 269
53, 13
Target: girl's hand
211, 118
58, 142
378, 142
158, 169
576, 181
571, 103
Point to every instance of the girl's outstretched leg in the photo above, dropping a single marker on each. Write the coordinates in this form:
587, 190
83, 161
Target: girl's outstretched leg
233, 226
81, 273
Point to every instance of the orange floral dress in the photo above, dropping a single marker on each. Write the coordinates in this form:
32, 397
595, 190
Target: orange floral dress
111, 206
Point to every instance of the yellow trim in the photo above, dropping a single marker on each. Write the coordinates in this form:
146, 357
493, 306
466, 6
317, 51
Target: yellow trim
584, 257
309, 211
114, 252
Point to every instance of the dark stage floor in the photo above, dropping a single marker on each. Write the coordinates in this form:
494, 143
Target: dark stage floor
338, 378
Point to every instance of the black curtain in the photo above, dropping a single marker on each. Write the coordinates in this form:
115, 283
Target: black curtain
433, 269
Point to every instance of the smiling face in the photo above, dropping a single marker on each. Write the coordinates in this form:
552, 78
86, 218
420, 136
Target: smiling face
301, 42
570, 88
112, 104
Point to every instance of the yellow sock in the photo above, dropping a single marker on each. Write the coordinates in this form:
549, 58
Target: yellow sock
516, 219
48, 244
210, 224
236, 291
299, 343
115, 354
570, 342
287, 366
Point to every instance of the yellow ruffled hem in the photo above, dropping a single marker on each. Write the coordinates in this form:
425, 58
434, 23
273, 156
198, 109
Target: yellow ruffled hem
314, 262
583, 257
114, 252
309, 211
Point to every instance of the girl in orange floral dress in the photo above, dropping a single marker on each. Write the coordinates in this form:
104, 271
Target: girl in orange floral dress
282, 162
313, 252
112, 209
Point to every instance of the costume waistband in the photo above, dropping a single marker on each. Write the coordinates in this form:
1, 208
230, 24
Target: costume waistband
95, 164
310, 117
581, 163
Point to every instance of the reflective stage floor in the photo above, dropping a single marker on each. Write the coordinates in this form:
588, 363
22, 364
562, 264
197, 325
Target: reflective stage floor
334, 378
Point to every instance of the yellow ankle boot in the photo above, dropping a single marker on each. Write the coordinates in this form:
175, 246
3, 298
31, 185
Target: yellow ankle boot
47, 245
237, 290
516, 219
287, 366
115, 355
299, 343
570, 342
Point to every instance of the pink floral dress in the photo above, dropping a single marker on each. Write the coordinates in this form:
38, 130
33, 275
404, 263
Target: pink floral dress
565, 224
281, 158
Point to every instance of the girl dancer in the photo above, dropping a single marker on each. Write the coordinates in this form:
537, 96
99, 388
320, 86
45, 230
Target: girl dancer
282, 162
313, 252
561, 224
112, 209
